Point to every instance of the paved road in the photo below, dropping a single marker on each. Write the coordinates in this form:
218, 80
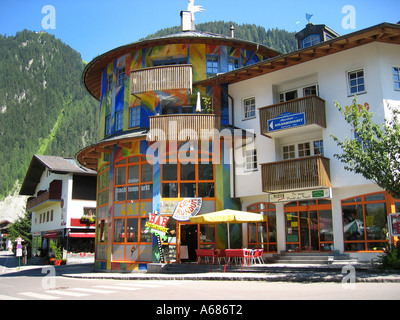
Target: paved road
47, 283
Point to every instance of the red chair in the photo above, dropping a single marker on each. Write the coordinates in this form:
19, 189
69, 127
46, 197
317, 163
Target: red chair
236, 253
256, 256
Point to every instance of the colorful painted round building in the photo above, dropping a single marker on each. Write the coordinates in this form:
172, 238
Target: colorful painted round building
159, 149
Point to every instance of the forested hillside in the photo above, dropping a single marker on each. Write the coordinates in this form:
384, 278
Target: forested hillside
280, 40
44, 108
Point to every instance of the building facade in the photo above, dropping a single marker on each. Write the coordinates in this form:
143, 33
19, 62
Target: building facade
159, 150
314, 204
194, 122
63, 206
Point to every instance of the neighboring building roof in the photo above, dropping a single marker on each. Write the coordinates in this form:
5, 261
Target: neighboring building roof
56, 165
384, 32
91, 76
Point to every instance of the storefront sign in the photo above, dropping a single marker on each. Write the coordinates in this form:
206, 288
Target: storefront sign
157, 224
186, 208
286, 120
300, 195
394, 223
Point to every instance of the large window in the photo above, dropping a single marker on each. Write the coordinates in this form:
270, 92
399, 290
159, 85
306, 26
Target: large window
263, 235
365, 222
133, 195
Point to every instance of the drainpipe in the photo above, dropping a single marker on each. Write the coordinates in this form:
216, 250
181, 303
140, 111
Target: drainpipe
233, 149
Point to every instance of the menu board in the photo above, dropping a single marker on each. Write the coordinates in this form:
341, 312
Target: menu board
394, 223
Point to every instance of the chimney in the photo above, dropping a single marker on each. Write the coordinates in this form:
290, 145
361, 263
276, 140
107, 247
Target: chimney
187, 22
232, 31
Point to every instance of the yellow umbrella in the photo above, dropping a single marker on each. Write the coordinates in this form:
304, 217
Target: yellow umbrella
228, 216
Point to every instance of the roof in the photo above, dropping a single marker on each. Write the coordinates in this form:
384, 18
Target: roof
89, 155
384, 32
56, 165
91, 76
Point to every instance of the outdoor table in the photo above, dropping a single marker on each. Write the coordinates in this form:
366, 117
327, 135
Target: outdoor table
244, 254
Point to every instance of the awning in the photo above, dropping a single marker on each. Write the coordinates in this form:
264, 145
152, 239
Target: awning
52, 234
81, 235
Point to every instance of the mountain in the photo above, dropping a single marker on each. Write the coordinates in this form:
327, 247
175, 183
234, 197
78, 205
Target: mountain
44, 107
277, 39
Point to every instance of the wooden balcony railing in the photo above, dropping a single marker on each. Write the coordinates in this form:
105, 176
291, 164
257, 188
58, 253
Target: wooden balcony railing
296, 174
44, 200
313, 108
183, 127
161, 78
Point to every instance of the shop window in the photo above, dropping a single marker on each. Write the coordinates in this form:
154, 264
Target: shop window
187, 179
365, 222
263, 235
309, 226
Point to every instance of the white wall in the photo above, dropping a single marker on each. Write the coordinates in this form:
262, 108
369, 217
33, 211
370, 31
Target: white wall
376, 59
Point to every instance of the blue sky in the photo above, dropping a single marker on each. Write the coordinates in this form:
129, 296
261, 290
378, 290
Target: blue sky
93, 27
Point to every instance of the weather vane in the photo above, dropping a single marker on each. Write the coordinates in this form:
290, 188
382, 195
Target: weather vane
193, 9
308, 17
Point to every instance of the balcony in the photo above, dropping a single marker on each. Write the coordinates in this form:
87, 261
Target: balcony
307, 113
296, 174
46, 198
161, 78
184, 127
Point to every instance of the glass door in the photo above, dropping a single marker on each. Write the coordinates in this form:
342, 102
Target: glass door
309, 239
309, 226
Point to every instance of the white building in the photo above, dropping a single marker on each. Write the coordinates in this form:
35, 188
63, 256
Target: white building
290, 171
63, 199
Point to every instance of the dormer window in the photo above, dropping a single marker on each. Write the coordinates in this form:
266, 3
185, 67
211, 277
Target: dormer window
311, 40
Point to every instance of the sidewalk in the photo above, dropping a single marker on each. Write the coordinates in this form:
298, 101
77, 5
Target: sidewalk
266, 272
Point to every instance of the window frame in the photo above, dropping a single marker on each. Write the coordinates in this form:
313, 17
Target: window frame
311, 40
119, 120
134, 117
250, 160
211, 68
357, 85
264, 208
312, 148
249, 109
394, 74
120, 76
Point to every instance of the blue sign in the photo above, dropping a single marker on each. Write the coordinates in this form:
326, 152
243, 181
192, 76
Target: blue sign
286, 120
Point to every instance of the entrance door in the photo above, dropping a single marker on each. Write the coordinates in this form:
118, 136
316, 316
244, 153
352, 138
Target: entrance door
309, 239
309, 226
190, 240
